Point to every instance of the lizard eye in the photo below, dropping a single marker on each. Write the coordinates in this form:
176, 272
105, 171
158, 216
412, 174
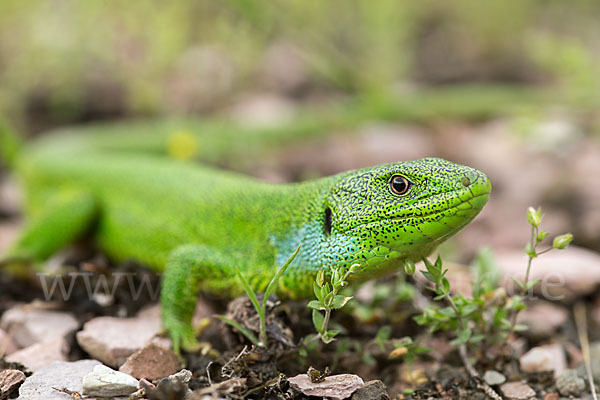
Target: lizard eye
399, 185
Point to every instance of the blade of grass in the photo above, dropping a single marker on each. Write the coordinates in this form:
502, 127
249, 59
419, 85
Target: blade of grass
248, 289
278, 274
246, 332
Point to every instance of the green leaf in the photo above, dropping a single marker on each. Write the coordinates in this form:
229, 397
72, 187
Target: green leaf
383, 335
468, 309
446, 285
318, 320
340, 301
448, 312
430, 277
476, 338
438, 262
316, 305
328, 298
244, 331
519, 283
531, 284
422, 350
368, 359
440, 297
329, 336
317, 290
530, 250
248, 290
487, 273
462, 337
541, 236
428, 264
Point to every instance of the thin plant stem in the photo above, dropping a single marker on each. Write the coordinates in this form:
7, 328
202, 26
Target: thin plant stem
581, 323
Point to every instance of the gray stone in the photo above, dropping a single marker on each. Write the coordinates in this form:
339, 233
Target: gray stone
563, 276
550, 357
373, 390
542, 319
106, 382
111, 340
336, 386
29, 324
42, 354
569, 383
184, 376
517, 391
60, 374
493, 378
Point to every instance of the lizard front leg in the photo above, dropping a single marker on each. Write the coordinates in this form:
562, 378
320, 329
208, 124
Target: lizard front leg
188, 267
65, 216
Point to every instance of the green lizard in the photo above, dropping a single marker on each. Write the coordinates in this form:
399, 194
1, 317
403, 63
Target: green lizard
196, 223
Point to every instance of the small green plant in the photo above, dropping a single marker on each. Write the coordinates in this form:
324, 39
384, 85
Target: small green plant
261, 307
490, 315
404, 348
328, 299
537, 236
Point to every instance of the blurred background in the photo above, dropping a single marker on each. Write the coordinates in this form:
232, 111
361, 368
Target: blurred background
292, 89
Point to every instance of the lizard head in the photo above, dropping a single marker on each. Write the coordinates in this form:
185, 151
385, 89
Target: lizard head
402, 210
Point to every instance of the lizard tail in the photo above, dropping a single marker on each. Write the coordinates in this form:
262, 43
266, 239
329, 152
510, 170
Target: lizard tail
10, 144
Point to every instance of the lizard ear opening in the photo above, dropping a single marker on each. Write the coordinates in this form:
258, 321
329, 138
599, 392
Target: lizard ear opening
327, 225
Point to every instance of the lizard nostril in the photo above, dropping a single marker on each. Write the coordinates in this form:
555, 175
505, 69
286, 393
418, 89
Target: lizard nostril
466, 182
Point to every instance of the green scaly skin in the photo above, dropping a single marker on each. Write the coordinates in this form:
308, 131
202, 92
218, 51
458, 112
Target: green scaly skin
196, 223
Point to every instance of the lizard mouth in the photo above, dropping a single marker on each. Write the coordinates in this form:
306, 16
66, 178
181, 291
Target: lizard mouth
466, 209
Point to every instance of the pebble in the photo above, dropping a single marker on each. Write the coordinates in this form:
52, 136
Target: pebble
7, 345
569, 383
10, 380
106, 382
335, 386
40, 355
151, 362
517, 391
543, 319
29, 325
550, 357
493, 378
112, 340
60, 374
373, 390
564, 275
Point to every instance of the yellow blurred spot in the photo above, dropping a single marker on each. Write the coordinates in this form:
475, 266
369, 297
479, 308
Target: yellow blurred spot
182, 145
414, 377
398, 352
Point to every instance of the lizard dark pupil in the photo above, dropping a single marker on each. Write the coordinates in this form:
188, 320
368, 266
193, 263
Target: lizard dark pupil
399, 184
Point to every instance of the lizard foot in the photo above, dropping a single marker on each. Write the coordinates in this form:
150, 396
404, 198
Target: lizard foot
184, 338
